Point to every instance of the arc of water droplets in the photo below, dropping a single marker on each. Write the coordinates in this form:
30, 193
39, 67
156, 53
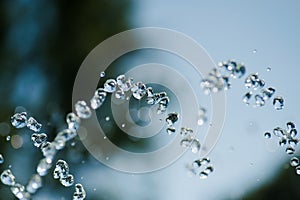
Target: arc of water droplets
83, 111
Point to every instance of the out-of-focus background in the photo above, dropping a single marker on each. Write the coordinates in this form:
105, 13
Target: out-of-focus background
43, 44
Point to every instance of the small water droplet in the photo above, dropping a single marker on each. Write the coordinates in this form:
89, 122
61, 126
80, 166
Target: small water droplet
107, 158
104, 137
278, 103
33, 125
139, 90
38, 139
79, 193
290, 150
107, 118
254, 51
1, 159
294, 161
171, 130
8, 138
43, 166
298, 170
102, 74
267, 135
203, 175
34, 183
123, 125
195, 146
19, 120
290, 125
172, 118
73, 121
269, 69
186, 131
67, 181
247, 97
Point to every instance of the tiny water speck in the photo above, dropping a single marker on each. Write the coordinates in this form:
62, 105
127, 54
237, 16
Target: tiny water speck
102, 74
269, 69
8, 138
107, 118
254, 51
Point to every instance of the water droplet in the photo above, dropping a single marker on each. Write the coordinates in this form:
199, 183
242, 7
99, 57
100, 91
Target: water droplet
171, 130
82, 110
203, 175
110, 86
138, 90
195, 146
67, 181
34, 183
61, 169
290, 150
7, 178
48, 150
123, 125
162, 105
73, 121
8, 138
254, 51
208, 170
38, 139
278, 103
290, 125
269, 69
102, 74
107, 158
293, 142
298, 170
254, 82
79, 193
247, 97
149, 92
124, 84
33, 125
278, 132
267, 135
43, 166
64, 136
1, 159
196, 164
294, 162
239, 71
19, 120
205, 161
293, 133
282, 142
186, 131
107, 118
186, 142
120, 94
172, 118
267, 93
259, 101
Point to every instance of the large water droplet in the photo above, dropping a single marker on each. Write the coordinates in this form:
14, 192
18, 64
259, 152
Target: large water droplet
79, 193
278, 103
34, 183
110, 86
67, 181
33, 125
38, 139
294, 162
19, 120
7, 178
61, 169
82, 110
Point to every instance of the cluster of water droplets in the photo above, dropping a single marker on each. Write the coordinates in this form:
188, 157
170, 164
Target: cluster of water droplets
61, 172
20, 120
200, 167
219, 79
287, 137
261, 94
19, 191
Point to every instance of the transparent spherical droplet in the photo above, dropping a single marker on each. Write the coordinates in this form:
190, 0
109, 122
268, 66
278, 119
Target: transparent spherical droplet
19, 120
208, 170
110, 86
120, 94
290, 150
79, 193
123, 84
172, 118
38, 139
259, 101
267, 93
34, 183
1, 159
294, 161
8, 138
205, 161
82, 110
282, 142
171, 130
278, 103
269, 69
61, 169
67, 181
186, 131
33, 125
123, 125
246, 98
43, 166
195, 146
278, 132
7, 178
267, 135
139, 90
201, 120
48, 150
290, 125
203, 175
102, 74
107, 118
73, 121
